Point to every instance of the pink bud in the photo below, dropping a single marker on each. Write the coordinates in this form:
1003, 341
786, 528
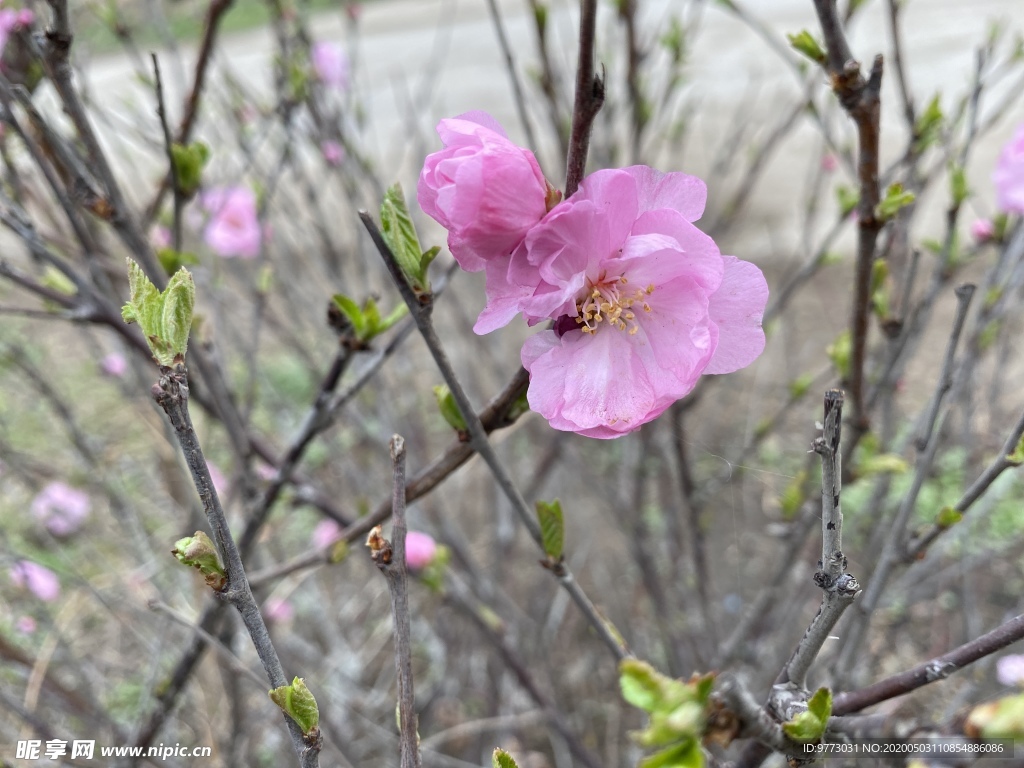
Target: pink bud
61, 508
278, 611
37, 579
420, 549
983, 230
1010, 669
26, 625
330, 65
829, 163
325, 533
333, 153
114, 365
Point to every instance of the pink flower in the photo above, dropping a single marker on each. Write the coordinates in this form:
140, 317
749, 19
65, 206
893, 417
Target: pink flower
37, 579
333, 152
483, 189
330, 64
643, 301
1010, 669
26, 625
1009, 175
420, 549
234, 228
325, 533
266, 472
279, 611
114, 365
983, 230
829, 162
61, 508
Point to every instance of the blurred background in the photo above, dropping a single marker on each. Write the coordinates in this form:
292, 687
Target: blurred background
696, 537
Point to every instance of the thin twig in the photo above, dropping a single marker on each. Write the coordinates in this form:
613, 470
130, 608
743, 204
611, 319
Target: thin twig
588, 101
861, 100
171, 393
390, 560
161, 110
938, 668
513, 75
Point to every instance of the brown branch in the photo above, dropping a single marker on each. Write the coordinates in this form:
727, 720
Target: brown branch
861, 100
589, 98
938, 668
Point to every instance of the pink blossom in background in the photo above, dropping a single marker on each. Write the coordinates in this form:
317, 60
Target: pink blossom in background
26, 625
233, 228
420, 549
278, 611
37, 579
333, 152
1009, 175
483, 189
220, 483
354, 10
643, 302
325, 533
11, 20
1010, 669
265, 472
829, 163
160, 236
330, 64
114, 365
61, 508
983, 230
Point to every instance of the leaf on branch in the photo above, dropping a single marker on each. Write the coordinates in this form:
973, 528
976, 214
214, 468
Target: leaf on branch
804, 42
895, 199
449, 408
297, 701
809, 726
552, 528
400, 235
198, 551
164, 317
502, 759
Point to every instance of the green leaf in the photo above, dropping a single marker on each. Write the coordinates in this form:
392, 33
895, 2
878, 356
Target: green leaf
189, 162
958, 188
427, 258
552, 528
198, 551
298, 703
804, 42
848, 198
396, 314
839, 353
820, 704
1000, 719
352, 311
948, 517
674, 40
56, 280
164, 317
502, 759
805, 727
639, 682
883, 464
793, 496
540, 18
799, 386
685, 755
895, 199
172, 260
928, 128
1017, 457
179, 300
400, 235
449, 408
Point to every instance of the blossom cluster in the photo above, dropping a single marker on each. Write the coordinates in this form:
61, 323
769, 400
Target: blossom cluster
641, 302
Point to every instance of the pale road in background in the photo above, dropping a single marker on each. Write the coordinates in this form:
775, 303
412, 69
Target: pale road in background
417, 61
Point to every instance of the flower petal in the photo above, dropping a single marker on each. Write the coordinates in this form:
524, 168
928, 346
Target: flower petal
737, 308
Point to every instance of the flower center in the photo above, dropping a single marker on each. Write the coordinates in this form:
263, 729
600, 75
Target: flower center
609, 301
